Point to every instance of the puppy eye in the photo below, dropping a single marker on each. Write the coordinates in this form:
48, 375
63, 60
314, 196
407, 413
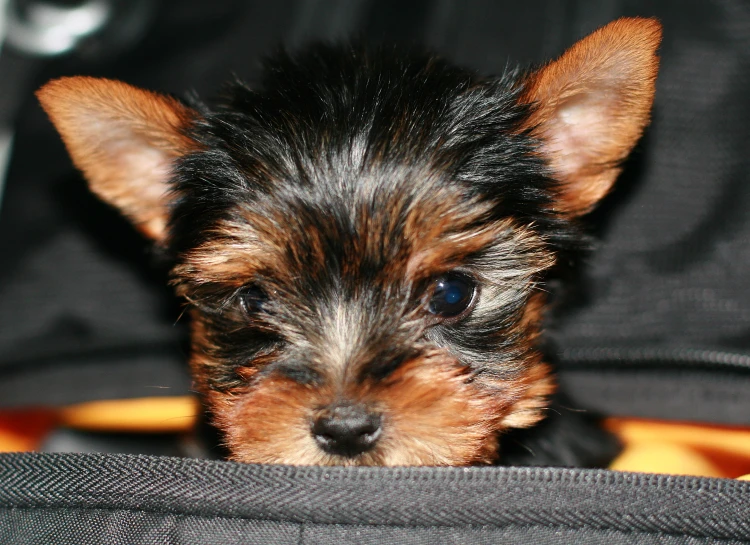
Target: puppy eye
452, 295
252, 299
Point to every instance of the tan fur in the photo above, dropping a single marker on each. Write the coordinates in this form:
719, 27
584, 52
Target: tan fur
124, 139
434, 412
527, 394
236, 252
432, 416
591, 106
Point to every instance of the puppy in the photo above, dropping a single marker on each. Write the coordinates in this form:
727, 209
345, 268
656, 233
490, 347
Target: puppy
363, 241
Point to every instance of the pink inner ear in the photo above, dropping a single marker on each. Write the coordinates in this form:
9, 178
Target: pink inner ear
148, 171
124, 140
573, 131
591, 105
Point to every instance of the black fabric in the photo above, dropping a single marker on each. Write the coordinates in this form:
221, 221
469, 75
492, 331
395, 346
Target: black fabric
653, 391
667, 287
138, 499
117, 527
658, 325
84, 311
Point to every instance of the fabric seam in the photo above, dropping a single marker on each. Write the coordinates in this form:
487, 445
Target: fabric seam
301, 524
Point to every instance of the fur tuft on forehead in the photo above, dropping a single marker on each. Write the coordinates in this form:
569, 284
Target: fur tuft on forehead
385, 123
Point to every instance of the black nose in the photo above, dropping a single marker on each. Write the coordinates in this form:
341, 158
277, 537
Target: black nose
347, 430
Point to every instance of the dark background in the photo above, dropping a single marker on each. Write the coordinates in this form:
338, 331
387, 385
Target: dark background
657, 325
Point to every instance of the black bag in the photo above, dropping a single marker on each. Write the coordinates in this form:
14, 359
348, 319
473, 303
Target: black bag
658, 327
119, 499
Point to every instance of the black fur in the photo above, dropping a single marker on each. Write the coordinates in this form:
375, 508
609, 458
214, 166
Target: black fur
337, 129
290, 141
337, 118
567, 437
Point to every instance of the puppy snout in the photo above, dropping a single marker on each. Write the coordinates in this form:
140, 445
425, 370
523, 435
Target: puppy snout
347, 430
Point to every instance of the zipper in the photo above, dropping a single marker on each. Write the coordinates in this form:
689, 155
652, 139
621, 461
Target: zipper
638, 356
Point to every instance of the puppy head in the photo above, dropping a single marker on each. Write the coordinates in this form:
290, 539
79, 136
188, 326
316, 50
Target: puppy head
361, 241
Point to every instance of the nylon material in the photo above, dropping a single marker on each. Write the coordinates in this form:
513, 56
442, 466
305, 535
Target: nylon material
669, 276
129, 373
117, 527
31, 307
376, 496
511, 535
671, 265
701, 395
673, 355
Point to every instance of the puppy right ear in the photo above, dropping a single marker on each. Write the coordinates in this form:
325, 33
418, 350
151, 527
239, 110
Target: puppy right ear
591, 105
124, 140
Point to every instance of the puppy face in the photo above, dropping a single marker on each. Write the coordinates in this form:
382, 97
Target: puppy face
362, 241
421, 314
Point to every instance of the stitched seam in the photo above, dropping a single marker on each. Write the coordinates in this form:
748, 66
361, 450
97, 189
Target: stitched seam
599, 527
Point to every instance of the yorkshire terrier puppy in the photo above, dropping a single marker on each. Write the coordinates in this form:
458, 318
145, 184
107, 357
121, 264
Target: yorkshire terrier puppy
363, 240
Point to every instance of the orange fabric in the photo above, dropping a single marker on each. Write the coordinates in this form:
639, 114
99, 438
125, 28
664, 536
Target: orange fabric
23, 430
681, 448
150, 414
649, 446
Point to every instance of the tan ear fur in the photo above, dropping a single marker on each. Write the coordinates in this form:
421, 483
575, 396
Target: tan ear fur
124, 140
591, 106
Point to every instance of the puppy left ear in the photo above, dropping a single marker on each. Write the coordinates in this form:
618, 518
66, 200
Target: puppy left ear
590, 106
124, 140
